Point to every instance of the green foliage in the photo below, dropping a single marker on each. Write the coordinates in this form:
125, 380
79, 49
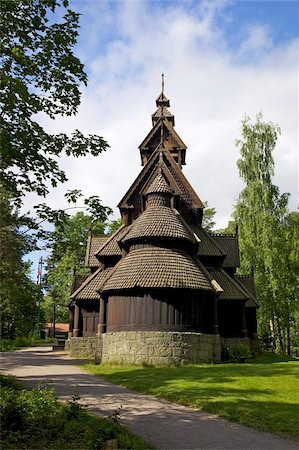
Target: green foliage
18, 293
238, 353
268, 235
9, 345
113, 226
238, 392
208, 222
31, 417
230, 229
40, 77
69, 241
39, 74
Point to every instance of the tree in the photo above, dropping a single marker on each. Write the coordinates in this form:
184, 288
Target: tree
262, 215
208, 222
68, 250
113, 226
39, 75
18, 293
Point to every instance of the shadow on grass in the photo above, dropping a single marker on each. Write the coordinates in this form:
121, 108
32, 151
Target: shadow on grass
221, 389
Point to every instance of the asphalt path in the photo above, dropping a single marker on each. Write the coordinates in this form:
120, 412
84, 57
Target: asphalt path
163, 424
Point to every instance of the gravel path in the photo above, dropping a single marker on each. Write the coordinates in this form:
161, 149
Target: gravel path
163, 424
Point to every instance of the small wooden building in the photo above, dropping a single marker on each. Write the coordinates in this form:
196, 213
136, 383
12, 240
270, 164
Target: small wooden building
161, 271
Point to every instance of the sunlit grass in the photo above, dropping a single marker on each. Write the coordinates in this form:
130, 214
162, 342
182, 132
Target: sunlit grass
263, 394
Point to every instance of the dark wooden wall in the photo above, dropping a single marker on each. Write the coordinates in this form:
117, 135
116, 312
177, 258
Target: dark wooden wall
231, 318
180, 311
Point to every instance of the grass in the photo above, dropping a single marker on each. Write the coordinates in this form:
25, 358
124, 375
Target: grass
36, 419
9, 345
263, 394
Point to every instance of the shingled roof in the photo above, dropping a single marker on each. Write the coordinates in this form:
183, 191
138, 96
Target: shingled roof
94, 243
158, 222
155, 267
232, 290
111, 246
230, 246
159, 185
89, 289
248, 284
207, 246
77, 281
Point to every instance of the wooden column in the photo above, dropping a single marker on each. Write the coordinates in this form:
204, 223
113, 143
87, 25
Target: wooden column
71, 326
101, 324
76, 321
244, 324
215, 307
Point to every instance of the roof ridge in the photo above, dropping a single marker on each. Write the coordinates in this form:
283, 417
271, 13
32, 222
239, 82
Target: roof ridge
87, 281
236, 284
245, 288
212, 240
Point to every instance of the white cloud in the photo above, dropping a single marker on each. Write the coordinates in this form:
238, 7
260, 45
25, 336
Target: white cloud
257, 40
210, 87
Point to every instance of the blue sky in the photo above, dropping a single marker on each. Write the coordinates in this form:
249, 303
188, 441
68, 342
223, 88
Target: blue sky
221, 60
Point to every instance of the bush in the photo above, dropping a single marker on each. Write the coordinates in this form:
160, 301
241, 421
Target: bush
238, 353
29, 418
9, 345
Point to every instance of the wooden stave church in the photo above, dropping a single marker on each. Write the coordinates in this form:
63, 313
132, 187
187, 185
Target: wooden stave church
161, 271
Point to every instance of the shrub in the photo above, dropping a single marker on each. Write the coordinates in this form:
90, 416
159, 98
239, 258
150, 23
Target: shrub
238, 353
29, 418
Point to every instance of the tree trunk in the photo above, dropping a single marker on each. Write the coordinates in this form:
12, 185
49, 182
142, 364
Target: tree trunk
279, 336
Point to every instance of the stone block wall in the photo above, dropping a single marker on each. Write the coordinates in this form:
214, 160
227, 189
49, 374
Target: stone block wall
148, 347
159, 348
82, 347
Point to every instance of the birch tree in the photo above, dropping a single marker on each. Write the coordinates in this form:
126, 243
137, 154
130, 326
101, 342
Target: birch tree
262, 214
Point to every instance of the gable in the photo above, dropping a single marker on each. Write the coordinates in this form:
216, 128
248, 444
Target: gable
173, 175
154, 137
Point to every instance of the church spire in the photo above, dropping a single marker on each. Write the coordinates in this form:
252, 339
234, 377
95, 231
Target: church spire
163, 135
162, 103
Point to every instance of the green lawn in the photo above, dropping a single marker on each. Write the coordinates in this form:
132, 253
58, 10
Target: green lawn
263, 394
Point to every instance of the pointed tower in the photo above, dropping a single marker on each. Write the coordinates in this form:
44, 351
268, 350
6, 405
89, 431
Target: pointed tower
162, 289
163, 130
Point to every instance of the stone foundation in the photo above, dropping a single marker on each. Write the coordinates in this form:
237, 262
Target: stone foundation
148, 347
83, 347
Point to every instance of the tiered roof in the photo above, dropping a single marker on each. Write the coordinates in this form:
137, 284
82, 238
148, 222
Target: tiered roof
156, 267
167, 247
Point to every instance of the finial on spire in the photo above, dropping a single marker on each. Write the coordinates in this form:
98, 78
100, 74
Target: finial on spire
162, 83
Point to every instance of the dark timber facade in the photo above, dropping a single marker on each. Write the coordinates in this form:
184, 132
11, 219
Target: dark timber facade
161, 271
